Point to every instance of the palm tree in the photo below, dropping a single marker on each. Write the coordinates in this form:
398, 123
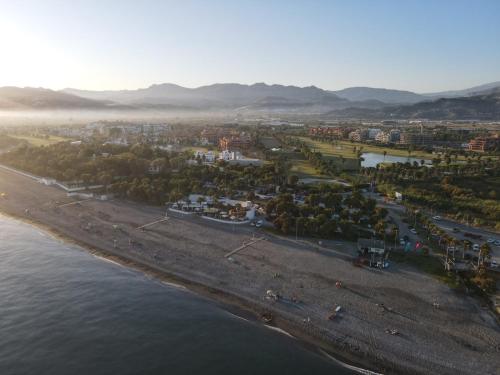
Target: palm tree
484, 253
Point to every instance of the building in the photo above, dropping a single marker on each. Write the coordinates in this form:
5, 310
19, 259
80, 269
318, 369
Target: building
235, 142
358, 135
392, 136
334, 132
374, 250
205, 157
235, 157
372, 133
418, 139
382, 137
482, 144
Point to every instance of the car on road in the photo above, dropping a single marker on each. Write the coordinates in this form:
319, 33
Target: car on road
402, 242
437, 218
491, 240
259, 224
497, 243
494, 264
414, 231
475, 247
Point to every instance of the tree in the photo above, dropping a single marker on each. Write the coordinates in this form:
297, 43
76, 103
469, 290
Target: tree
484, 253
293, 180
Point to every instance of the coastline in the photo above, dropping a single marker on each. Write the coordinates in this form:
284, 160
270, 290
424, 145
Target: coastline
233, 304
190, 252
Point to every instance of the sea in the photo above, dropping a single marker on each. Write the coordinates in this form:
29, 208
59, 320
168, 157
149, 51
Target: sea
65, 311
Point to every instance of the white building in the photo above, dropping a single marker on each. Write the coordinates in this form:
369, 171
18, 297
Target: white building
206, 157
372, 133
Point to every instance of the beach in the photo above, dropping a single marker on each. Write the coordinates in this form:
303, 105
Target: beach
458, 337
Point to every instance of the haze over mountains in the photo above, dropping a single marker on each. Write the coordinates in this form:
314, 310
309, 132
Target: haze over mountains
480, 102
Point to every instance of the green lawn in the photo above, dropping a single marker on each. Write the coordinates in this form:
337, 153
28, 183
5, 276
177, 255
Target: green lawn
304, 169
346, 149
35, 141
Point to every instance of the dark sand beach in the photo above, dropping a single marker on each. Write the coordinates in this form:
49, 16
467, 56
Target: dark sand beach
459, 337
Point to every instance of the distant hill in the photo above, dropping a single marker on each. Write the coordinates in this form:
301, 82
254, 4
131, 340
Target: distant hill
355, 102
480, 107
28, 98
472, 91
382, 95
217, 96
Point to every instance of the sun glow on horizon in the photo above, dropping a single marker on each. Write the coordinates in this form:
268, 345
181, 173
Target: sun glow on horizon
30, 60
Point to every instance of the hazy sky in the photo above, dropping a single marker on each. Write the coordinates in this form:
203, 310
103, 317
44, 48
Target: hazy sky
415, 45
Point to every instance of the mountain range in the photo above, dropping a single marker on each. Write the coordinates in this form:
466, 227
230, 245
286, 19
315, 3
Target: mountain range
479, 102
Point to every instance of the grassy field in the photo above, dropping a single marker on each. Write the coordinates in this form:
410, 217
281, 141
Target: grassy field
344, 157
346, 149
304, 169
35, 141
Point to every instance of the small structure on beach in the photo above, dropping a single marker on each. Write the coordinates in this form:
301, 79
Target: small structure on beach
374, 250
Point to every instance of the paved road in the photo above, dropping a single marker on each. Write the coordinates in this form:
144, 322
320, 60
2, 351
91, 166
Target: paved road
396, 211
448, 225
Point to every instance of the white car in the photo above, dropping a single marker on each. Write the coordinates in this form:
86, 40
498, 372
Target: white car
475, 247
497, 243
490, 240
402, 242
437, 218
494, 264
259, 223
414, 231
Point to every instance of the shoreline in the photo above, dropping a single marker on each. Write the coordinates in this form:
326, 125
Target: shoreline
235, 305
459, 337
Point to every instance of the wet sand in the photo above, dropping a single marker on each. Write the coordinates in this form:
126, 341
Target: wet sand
459, 337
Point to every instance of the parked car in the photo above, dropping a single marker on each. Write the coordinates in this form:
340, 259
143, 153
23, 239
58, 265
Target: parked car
494, 264
402, 242
497, 243
259, 223
414, 231
437, 218
475, 247
491, 240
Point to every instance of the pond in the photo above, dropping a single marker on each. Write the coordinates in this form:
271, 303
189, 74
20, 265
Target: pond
371, 159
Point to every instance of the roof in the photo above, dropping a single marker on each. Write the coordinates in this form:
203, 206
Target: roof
371, 243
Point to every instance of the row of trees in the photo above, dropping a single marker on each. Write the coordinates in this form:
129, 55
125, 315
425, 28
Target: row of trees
327, 215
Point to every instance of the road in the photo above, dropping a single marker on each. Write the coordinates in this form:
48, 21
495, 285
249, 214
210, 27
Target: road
396, 211
448, 225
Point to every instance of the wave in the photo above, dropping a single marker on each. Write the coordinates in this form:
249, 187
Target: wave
282, 331
358, 370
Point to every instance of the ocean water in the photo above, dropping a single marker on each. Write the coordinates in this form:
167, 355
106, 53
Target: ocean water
64, 311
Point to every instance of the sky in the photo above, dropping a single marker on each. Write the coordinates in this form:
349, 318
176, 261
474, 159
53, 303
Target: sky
416, 45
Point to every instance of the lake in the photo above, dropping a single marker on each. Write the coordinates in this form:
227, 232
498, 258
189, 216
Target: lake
371, 159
